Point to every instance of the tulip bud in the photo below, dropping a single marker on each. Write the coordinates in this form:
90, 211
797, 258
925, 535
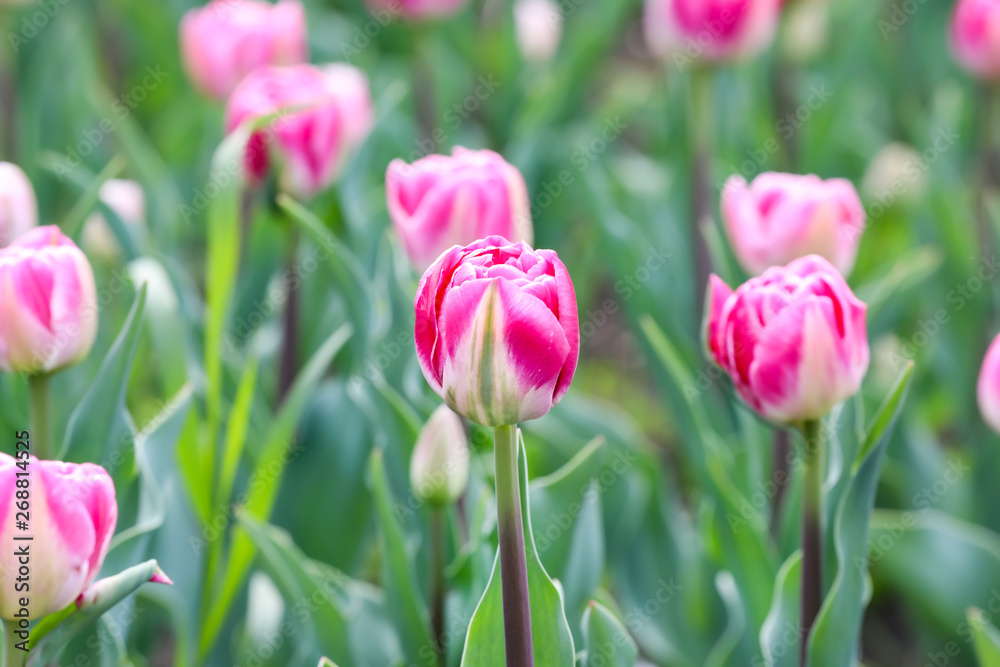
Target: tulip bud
311, 135
439, 467
975, 37
72, 518
18, 208
127, 201
225, 40
895, 173
794, 340
713, 30
48, 316
781, 217
416, 10
497, 330
988, 387
538, 26
807, 26
440, 201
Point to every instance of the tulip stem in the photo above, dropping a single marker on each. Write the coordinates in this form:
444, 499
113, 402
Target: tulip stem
701, 202
41, 415
12, 655
437, 580
290, 336
812, 533
513, 566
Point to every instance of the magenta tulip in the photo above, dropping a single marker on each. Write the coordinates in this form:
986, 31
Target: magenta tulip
312, 134
416, 10
18, 207
975, 37
781, 217
497, 331
350, 86
794, 340
713, 30
225, 40
48, 307
71, 518
440, 201
988, 387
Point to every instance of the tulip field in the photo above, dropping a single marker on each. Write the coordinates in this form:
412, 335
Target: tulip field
472, 333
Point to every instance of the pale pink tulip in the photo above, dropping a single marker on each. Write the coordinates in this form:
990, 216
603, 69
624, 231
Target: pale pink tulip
440, 201
975, 37
225, 40
71, 518
48, 303
988, 387
18, 207
781, 217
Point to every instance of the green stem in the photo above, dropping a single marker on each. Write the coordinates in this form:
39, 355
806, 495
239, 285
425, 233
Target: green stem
437, 581
41, 415
12, 656
701, 196
513, 566
812, 533
290, 337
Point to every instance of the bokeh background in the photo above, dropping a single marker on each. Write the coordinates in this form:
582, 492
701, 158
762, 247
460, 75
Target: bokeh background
861, 89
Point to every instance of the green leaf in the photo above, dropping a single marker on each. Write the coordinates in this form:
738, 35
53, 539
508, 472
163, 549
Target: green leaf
101, 596
836, 634
607, 641
986, 638
300, 579
236, 431
100, 426
724, 651
264, 484
553, 641
569, 536
782, 622
409, 612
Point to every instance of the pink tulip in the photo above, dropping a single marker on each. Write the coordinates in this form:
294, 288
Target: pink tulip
72, 514
18, 208
440, 201
781, 217
716, 30
417, 9
975, 37
350, 86
497, 331
317, 126
48, 303
794, 340
225, 40
988, 387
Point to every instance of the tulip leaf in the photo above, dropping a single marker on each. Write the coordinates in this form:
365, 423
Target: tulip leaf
553, 640
607, 641
267, 474
299, 578
101, 426
986, 638
566, 519
349, 277
409, 612
101, 596
836, 634
779, 636
725, 648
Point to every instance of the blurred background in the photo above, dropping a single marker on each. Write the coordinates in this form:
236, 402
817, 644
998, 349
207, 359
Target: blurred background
861, 89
